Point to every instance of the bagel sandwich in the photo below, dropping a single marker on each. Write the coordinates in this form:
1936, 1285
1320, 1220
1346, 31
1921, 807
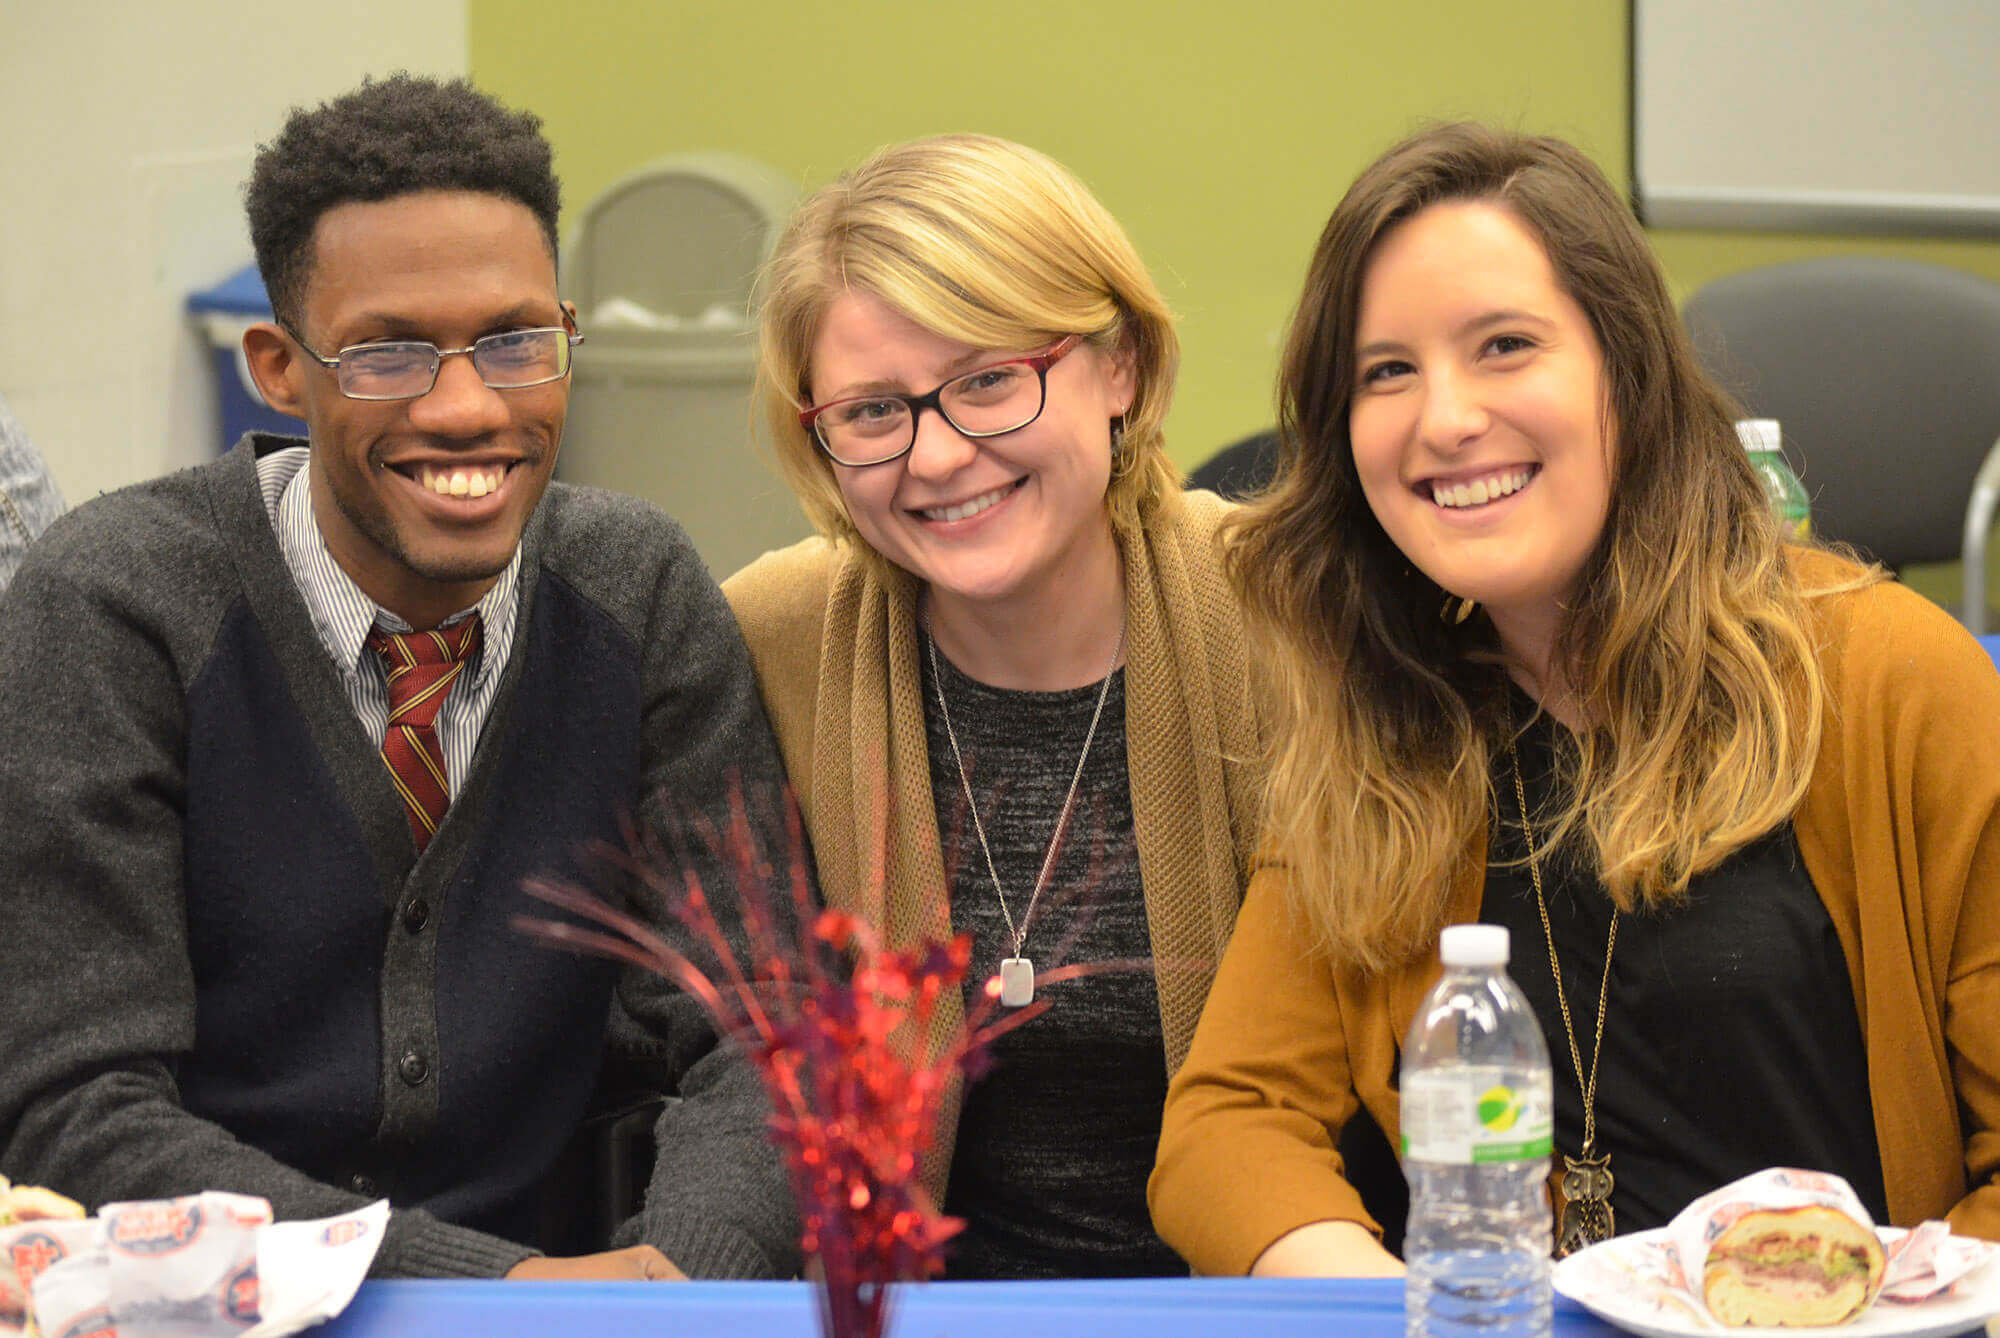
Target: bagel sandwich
1792, 1267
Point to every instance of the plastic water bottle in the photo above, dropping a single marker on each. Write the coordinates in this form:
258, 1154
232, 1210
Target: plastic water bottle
1789, 503
1477, 1124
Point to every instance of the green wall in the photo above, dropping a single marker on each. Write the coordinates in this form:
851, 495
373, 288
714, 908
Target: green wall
1220, 134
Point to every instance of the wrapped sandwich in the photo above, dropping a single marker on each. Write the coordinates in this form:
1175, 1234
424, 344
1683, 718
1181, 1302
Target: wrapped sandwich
31, 1203
1783, 1247
1809, 1264
37, 1228
1786, 1248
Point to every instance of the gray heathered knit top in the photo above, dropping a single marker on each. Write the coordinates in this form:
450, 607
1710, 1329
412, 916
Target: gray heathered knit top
1056, 1141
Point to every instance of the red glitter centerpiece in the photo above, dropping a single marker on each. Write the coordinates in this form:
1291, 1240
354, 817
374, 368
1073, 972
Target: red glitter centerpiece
834, 1022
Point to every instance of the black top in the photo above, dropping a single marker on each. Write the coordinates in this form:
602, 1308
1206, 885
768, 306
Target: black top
1056, 1141
1731, 1042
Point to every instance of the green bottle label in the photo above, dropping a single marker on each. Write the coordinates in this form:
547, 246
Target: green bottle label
1474, 1115
1789, 502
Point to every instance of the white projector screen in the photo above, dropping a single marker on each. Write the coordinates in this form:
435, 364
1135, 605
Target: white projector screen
1834, 115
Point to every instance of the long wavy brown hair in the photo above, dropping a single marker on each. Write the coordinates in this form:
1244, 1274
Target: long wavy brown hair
1686, 641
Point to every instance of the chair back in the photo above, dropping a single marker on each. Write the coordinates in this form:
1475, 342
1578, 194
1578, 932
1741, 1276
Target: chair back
1886, 377
1240, 468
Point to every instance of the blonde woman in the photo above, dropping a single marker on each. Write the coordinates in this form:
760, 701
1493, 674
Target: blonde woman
1544, 661
1008, 678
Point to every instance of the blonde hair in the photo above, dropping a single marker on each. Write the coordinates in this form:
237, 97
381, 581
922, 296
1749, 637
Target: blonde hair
982, 241
1687, 639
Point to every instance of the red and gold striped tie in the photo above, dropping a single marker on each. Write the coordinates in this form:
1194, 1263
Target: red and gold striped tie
421, 667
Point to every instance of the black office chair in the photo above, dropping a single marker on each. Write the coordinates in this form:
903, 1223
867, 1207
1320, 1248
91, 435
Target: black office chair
1886, 377
1241, 468
599, 1180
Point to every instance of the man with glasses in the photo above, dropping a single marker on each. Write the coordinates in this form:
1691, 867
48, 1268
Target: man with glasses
287, 732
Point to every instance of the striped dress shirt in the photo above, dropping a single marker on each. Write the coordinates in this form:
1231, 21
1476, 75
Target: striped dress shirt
342, 615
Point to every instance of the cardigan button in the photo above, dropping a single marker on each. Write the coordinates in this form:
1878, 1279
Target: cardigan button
415, 916
362, 1184
414, 1069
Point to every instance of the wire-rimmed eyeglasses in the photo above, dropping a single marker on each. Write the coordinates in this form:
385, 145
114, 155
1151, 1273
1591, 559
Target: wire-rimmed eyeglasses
408, 369
989, 401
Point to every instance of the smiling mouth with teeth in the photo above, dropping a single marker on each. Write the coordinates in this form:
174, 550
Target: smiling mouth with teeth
459, 482
972, 506
1480, 491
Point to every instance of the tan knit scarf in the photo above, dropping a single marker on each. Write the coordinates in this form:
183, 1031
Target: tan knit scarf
1192, 743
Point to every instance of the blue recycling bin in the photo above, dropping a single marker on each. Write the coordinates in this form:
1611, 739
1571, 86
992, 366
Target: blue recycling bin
222, 313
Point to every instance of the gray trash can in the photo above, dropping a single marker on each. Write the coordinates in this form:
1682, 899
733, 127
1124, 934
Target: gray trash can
661, 268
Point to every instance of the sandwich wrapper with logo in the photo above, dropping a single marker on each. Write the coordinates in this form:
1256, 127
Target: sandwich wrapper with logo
203, 1266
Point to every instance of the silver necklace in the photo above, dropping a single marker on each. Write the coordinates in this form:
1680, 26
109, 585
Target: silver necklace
1017, 973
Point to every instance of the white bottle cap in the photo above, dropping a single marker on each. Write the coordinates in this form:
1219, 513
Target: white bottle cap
1474, 945
1758, 434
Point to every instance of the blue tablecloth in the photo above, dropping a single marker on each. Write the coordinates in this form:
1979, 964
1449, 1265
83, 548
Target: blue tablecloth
1154, 1308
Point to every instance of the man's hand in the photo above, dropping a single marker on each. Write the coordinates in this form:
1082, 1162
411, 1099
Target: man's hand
635, 1263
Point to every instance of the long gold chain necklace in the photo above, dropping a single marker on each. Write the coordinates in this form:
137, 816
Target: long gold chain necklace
1586, 1181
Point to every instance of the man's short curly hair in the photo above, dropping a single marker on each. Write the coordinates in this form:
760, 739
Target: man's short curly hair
387, 138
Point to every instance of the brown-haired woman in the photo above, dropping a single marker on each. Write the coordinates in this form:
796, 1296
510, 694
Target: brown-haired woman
1542, 659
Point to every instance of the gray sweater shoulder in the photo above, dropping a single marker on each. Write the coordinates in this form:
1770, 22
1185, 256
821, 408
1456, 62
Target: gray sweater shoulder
627, 556
151, 556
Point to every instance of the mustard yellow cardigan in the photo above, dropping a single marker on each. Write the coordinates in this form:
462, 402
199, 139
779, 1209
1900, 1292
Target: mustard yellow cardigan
834, 641
1900, 832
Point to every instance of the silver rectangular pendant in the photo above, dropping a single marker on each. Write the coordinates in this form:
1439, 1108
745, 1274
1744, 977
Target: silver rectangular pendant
1017, 982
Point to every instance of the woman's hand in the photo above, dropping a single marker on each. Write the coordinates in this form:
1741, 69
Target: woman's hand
1327, 1250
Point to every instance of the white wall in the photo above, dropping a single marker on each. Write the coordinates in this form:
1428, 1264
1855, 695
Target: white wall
1838, 115
126, 130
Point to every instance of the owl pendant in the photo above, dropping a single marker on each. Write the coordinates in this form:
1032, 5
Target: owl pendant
1586, 1203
